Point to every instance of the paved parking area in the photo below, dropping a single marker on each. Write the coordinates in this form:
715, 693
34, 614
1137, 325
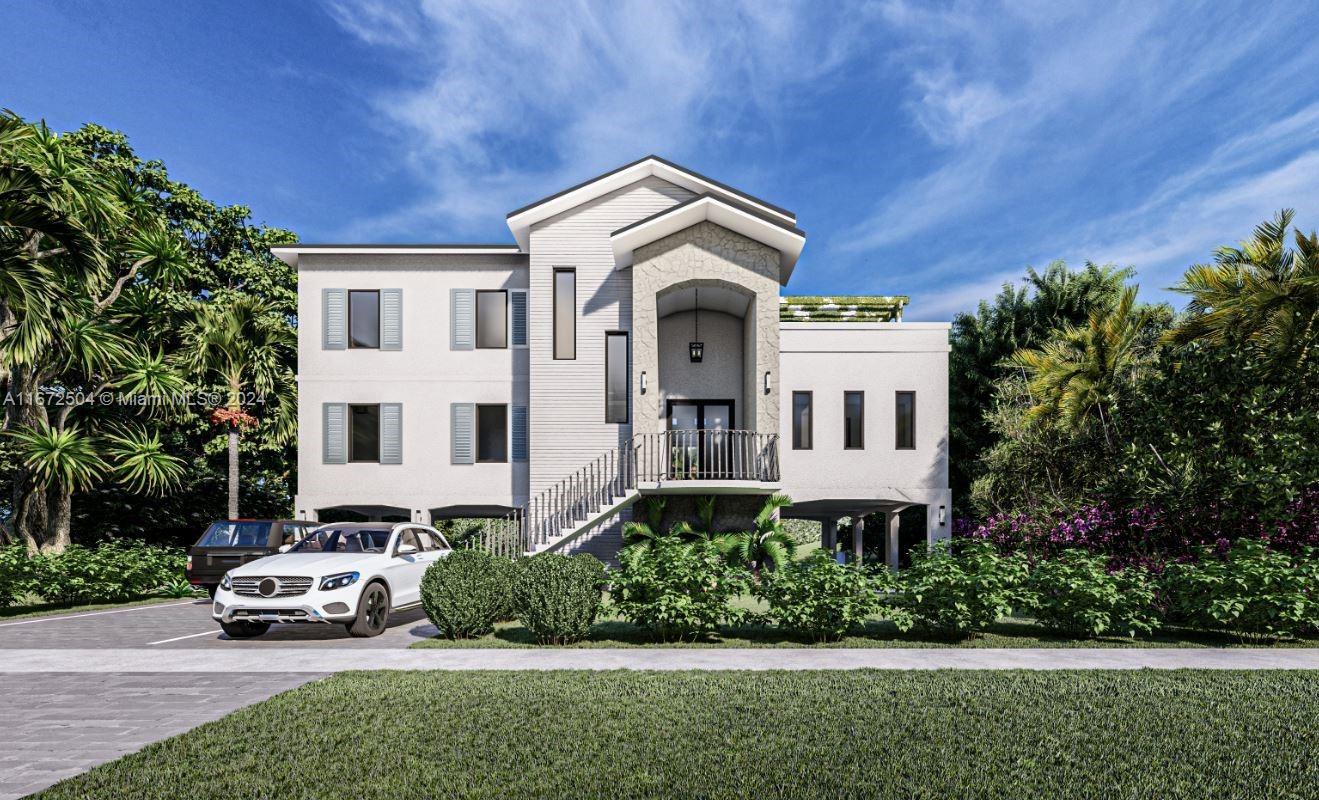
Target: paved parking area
60, 724
188, 624
68, 704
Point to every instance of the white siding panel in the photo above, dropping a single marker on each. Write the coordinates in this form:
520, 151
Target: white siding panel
567, 397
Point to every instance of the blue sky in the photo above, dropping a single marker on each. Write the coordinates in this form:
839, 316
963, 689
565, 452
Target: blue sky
932, 149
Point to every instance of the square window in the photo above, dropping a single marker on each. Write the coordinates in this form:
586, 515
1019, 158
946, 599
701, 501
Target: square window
364, 445
364, 319
492, 319
492, 434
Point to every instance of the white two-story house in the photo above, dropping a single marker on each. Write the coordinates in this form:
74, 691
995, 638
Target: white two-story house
632, 340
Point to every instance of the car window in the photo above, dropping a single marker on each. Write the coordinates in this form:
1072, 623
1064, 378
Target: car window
337, 540
294, 533
408, 536
431, 541
236, 534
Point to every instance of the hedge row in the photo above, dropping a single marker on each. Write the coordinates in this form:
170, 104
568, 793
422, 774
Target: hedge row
110, 572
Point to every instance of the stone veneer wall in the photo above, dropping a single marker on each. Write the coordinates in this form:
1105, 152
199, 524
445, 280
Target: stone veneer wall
707, 254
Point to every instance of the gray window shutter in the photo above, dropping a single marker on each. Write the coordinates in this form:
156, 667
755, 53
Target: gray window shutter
521, 443
462, 329
334, 433
462, 432
391, 319
517, 301
391, 433
334, 318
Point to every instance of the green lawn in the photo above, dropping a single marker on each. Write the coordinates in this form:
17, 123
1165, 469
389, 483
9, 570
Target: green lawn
862, 734
16, 612
1014, 632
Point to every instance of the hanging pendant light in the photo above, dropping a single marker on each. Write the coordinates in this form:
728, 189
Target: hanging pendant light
696, 348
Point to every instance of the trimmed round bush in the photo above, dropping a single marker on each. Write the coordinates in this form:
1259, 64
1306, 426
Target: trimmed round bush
820, 598
466, 593
557, 597
1074, 594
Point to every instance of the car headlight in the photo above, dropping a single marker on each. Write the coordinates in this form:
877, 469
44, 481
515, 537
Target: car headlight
225, 583
339, 581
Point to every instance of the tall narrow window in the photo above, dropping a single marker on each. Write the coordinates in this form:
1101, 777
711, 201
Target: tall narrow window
364, 319
616, 378
801, 420
364, 444
492, 433
492, 319
854, 420
906, 420
565, 313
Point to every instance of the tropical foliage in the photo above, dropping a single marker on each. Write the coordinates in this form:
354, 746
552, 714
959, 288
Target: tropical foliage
822, 599
106, 267
677, 590
111, 572
955, 594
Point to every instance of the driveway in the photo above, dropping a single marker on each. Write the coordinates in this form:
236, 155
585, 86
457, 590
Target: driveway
68, 702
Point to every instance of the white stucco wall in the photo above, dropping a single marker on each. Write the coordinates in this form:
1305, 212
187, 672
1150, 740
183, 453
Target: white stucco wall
425, 376
879, 359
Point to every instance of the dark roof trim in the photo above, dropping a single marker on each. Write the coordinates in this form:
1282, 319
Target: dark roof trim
725, 187
763, 217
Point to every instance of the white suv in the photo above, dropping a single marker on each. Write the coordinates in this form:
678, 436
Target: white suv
352, 574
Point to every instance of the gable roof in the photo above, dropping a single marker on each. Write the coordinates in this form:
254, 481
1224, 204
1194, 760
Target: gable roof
774, 232
521, 220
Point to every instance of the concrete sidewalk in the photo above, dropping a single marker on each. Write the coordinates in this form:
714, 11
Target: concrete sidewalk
325, 659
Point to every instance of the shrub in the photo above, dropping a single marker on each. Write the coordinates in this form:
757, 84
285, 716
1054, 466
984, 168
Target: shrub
820, 598
1253, 592
110, 572
1076, 595
955, 594
677, 590
14, 573
466, 593
557, 597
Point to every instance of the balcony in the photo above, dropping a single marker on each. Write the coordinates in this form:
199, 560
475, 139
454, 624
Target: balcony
706, 460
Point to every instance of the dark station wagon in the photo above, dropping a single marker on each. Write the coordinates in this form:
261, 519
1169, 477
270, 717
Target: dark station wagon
234, 542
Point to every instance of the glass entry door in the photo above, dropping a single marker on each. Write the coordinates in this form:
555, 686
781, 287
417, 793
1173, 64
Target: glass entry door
699, 439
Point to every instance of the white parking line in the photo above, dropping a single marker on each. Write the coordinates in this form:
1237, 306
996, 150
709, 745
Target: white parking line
189, 636
95, 613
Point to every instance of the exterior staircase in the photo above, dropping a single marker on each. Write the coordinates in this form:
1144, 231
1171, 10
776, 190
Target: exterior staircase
582, 512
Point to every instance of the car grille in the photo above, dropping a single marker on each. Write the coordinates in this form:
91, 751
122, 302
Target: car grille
271, 586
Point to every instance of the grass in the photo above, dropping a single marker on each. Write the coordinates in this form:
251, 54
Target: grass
839, 734
1009, 632
23, 610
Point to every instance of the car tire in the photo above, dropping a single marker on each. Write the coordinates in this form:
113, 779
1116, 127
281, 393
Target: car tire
372, 612
210, 588
244, 629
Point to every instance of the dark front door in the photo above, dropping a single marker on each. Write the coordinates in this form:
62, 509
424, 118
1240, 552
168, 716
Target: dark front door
698, 437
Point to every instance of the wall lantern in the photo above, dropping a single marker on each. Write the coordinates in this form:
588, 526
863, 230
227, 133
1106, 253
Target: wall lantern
943, 516
696, 348
643, 381
767, 383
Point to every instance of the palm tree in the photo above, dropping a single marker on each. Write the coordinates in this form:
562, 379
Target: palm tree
767, 545
641, 534
248, 346
1262, 294
1074, 376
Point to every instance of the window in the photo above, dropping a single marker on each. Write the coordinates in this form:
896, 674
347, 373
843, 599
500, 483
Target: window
906, 421
565, 313
492, 319
801, 420
616, 379
294, 533
492, 434
364, 319
408, 536
236, 534
431, 542
364, 443
854, 420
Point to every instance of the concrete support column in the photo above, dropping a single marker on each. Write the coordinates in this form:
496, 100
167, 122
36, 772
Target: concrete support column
892, 544
829, 535
935, 529
422, 515
858, 534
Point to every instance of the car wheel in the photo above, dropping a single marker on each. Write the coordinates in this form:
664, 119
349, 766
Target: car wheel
244, 629
372, 612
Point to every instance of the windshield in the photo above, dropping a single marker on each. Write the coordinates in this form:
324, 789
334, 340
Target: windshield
338, 540
236, 534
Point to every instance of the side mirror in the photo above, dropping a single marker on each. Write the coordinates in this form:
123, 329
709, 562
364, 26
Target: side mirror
406, 549
284, 548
